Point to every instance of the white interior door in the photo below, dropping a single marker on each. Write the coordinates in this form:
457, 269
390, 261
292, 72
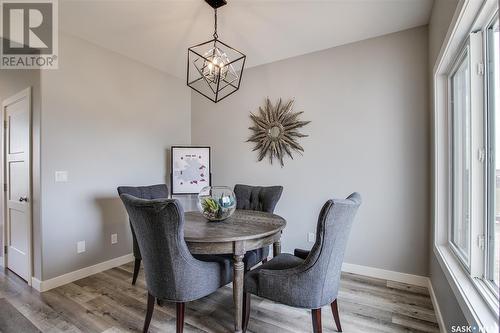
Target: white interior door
17, 194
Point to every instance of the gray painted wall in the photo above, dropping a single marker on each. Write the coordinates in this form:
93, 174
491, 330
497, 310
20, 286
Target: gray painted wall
368, 103
108, 121
442, 13
12, 82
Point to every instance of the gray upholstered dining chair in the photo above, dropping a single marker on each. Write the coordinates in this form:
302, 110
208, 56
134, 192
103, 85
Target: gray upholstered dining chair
174, 276
308, 279
257, 198
144, 192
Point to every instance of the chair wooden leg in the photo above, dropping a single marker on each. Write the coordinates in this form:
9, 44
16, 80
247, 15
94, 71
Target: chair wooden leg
149, 312
335, 312
180, 317
137, 267
316, 320
246, 310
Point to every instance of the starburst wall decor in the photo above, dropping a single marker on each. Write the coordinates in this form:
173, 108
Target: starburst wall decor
276, 130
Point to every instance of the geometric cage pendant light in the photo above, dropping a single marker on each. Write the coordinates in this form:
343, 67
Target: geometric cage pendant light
214, 69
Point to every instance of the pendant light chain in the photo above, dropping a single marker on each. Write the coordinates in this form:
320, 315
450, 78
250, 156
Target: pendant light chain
216, 36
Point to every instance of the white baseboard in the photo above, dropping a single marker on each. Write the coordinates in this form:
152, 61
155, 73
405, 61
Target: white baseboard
61, 280
437, 310
379, 273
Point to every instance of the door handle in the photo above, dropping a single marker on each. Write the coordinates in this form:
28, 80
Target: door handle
21, 199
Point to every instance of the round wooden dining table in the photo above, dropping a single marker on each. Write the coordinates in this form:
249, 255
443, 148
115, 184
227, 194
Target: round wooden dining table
244, 231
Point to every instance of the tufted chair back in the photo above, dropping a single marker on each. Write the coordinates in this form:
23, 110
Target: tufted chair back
257, 198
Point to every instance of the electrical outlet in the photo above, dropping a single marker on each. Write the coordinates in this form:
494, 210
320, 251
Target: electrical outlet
114, 238
61, 176
311, 237
80, 247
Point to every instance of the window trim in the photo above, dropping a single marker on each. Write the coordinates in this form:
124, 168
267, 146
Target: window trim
477, 309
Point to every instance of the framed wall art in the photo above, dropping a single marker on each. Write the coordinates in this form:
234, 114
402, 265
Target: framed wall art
191, 169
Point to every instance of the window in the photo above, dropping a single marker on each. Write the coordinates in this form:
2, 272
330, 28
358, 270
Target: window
474, 144
461, 156
493, 104
466, 160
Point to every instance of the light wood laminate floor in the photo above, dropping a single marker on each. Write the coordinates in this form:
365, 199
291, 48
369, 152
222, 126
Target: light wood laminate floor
107, 302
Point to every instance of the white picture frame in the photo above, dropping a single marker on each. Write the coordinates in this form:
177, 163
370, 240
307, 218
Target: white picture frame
190, 169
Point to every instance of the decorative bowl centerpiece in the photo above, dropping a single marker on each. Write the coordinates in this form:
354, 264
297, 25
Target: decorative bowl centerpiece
216, 203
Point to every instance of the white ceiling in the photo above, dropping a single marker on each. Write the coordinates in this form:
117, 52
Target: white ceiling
159, 32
